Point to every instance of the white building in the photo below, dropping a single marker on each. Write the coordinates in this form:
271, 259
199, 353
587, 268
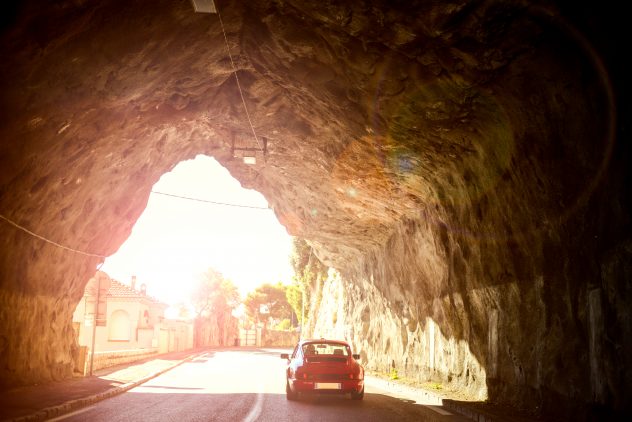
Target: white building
127, 319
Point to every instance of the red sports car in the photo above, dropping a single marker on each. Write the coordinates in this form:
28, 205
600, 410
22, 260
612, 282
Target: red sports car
323, 367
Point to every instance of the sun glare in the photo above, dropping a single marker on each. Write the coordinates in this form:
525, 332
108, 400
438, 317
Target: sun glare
176, 240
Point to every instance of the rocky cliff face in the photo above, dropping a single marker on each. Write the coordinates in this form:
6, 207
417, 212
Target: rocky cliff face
459, 164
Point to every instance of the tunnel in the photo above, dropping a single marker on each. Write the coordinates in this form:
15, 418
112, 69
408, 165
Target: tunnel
460, 169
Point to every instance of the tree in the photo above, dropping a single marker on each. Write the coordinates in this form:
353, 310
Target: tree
267, 301
307, 271
284, 325
214, 298
298, 299
214, 294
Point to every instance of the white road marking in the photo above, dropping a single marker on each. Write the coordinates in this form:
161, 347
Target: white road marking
67, 415
257, 406
255, 411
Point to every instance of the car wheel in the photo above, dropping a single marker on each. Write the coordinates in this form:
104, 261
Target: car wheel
358, 396
289, 394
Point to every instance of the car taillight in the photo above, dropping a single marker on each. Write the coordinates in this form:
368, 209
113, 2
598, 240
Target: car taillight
355, 376
303, 375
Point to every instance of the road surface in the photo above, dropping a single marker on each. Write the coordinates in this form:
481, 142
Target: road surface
246, 385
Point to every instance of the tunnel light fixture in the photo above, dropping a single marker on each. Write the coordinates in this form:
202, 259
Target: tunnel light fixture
248, 153
204, 6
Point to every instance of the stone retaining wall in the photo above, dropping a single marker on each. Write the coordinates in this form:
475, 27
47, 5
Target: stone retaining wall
113, 358
280, 338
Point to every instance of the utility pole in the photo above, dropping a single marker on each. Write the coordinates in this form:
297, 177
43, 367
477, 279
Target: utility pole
302, 310
94, 322
100, 281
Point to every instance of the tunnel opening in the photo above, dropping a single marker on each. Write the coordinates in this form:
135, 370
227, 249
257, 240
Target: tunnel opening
199, 227
198, 217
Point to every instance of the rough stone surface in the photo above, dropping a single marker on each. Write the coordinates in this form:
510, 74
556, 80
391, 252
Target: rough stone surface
461, 164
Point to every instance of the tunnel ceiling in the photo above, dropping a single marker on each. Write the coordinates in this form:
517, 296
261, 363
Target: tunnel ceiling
449, 157
371, 112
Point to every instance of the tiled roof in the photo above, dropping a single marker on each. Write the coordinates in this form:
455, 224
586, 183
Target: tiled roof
120, 290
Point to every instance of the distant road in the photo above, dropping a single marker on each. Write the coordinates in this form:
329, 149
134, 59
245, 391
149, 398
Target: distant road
245, 385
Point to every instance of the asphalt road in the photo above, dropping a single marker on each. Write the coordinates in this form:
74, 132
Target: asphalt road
240, 385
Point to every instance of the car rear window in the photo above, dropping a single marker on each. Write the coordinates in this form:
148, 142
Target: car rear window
326, 349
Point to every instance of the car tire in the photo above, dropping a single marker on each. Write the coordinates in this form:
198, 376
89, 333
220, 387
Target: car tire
358, 396
289, 394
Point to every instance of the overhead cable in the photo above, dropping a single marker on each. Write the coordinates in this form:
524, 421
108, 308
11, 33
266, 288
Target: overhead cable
96, 255
209, 201
24, 229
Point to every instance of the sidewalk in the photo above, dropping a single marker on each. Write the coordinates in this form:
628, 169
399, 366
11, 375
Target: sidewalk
46, 401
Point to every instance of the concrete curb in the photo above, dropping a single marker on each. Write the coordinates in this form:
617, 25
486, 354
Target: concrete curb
431, 398
73, 405
387, 385
463, 410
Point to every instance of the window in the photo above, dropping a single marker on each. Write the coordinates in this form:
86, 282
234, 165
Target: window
312, 349
120, 326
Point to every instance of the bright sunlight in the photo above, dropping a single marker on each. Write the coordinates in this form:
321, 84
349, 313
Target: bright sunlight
176, 240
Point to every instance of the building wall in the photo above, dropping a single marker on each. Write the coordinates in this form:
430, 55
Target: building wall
113, 340
133, 329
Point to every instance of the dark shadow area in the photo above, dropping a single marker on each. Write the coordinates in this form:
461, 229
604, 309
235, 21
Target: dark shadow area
275, 353
30, 399
253, 350
490, 412
505, 413
204, 358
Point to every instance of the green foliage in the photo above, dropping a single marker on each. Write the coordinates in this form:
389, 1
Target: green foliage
294, 295
308, 272
284, 325
433, 386
393, 375
270, 297
301, 254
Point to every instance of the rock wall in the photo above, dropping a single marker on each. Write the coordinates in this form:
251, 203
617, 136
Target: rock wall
521, 340
463, 165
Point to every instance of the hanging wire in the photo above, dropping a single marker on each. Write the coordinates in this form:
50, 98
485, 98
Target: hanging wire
24, 229
59, 245
232, 62
210, 202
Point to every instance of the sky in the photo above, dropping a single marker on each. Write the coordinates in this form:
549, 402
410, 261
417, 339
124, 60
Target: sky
176, 240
